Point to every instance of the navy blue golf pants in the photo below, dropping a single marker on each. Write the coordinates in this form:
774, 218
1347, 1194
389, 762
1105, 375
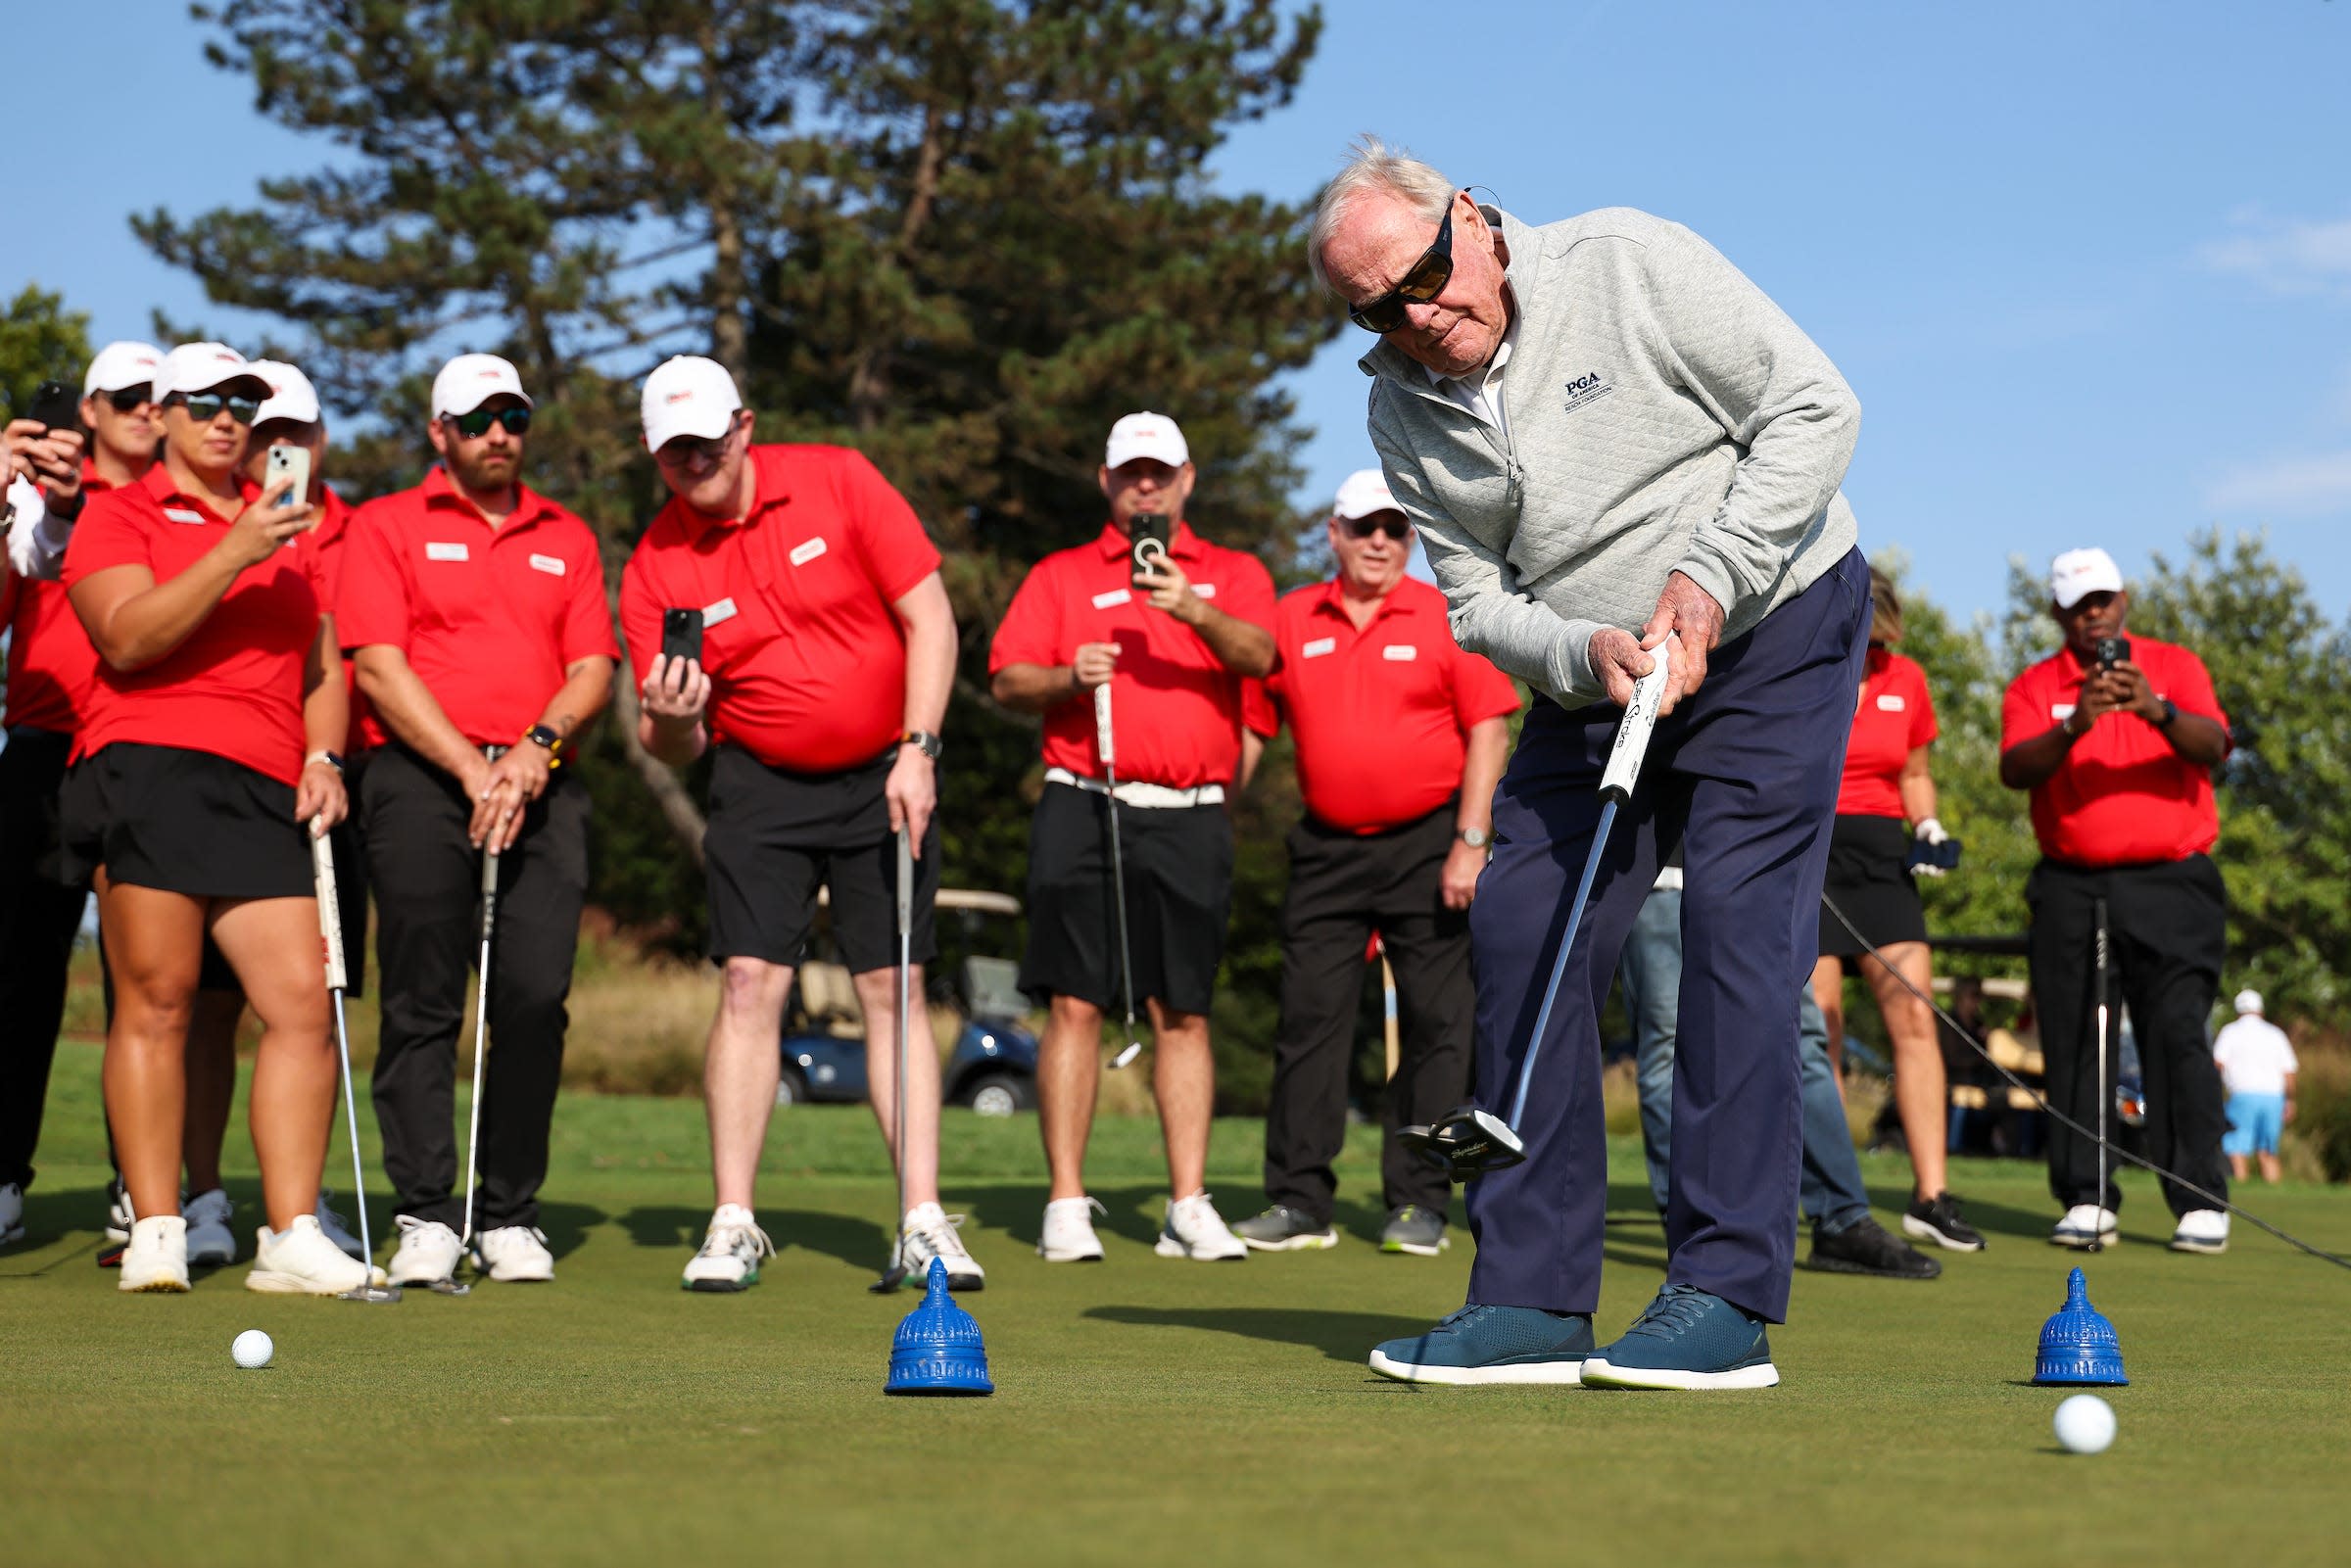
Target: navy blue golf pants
1743, 776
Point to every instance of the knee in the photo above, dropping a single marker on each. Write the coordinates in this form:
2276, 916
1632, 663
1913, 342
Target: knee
751, 991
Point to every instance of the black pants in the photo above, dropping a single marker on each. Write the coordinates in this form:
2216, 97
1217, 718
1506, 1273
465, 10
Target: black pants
40, 910
427, 880
1343, 889
2167, 937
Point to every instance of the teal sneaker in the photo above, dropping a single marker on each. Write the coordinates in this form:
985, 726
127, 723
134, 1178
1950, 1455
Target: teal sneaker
1492, 1345
1687, 1338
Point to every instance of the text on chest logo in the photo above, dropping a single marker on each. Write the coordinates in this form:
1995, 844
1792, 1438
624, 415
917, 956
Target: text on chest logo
1112, 599
1891, 702
1319, 646
803, 554
1400, 651
181, 515
717, 611
439, 550
552, 565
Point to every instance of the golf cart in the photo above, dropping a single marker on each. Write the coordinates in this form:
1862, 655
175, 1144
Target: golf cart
991, 1066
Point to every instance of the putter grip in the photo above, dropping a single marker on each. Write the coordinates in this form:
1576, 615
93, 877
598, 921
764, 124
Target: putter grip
1632, 732
905, 880
331, 911
1102, 740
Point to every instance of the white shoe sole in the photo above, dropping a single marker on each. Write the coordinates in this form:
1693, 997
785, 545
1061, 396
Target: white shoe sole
2082, 1241
270, 1283
1557, 1374
163, 1285
1919, 1230
2198, 1244
1170, 1247
1321, 1242
1416, 1249
1069, 1254
1599, 1374
12, 1235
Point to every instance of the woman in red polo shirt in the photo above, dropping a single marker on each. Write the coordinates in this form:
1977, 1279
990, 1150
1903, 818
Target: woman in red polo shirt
209, 746
1886, 803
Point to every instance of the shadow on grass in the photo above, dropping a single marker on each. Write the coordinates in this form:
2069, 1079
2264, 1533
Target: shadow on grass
1992, 1218
1017, 1209
676, 1228
1341, 1336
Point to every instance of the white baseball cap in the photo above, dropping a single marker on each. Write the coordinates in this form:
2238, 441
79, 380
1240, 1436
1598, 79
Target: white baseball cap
201, 367
470, 380
291, 395
1145, 435
2079, 573
122, 364
687, 396
1364, 491
2248, 1002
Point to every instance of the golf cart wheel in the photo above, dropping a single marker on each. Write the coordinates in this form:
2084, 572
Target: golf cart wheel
791, 1088
999, 1094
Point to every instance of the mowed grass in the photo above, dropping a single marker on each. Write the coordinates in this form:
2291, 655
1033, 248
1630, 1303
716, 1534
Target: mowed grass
1147, 1411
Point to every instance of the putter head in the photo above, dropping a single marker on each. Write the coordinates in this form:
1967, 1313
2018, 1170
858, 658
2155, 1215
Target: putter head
892, 1278
1135, 1048
1468, 1142
453, 1286
371, 1293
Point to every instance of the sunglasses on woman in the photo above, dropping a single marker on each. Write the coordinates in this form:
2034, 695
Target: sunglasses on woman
129, 400
205, 407
1422, 282
475, 425
1392, 524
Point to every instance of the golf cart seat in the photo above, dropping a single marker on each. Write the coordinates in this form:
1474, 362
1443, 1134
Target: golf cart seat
828, 1000
992, 988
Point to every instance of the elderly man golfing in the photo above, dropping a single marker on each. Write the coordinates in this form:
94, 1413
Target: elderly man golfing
1608, 438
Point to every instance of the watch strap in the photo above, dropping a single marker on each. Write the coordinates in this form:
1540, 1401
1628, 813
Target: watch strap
923, 740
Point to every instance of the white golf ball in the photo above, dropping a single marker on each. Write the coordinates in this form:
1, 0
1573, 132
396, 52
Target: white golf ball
252, 1350
2085, 1424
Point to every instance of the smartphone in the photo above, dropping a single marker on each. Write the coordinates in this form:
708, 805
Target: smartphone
294, 461
2113, 650
682, 635
55, 406
1148, 536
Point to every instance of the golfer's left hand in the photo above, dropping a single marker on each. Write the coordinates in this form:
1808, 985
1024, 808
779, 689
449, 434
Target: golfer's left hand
1457, 883
320, 797
913, 795
1690, 615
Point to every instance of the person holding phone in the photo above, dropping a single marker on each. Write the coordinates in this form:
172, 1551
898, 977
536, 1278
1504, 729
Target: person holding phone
209, 755
1172, 625
2117, 739
475, 611
786, 607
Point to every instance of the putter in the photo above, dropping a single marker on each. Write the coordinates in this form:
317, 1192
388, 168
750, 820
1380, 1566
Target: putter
1473, 1140
2098, 1235
338, 981
895, 1275
453, 1286
1118, 870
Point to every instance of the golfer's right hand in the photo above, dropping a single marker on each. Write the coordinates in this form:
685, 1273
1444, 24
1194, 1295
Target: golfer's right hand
675, 690
1619, 661
1094, 664
263, 525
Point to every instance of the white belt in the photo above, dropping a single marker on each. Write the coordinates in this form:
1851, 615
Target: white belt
1149, 797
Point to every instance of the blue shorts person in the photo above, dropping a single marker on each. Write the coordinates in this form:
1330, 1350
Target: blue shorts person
2256, 1122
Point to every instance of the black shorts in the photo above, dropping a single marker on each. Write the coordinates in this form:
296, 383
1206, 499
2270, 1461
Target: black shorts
773, 836
1179, 870
186, 822
1868, 880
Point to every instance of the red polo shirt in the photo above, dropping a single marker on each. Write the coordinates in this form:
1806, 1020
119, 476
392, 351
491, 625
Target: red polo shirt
1383, 716
1177, 708
50, 665
1896, 718
329, 536
2121, 796
800, 635
235, 686
488, 617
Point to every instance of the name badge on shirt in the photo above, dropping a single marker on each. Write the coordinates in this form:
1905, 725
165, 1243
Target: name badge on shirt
1319, 646
181, 515
803, 554
1112, 599
552, 565
435, 551
723, 610
1400, 651
1205, 590
1891, 703
2061, 711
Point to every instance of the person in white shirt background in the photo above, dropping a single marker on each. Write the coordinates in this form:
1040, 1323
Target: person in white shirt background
2257, 1064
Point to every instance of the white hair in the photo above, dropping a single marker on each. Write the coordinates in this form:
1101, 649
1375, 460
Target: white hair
1372, 166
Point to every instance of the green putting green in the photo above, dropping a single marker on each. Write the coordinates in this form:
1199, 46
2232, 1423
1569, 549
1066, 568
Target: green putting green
1148, 1410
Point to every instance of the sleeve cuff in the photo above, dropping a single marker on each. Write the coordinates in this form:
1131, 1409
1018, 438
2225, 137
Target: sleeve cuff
1708, 572
1571, 662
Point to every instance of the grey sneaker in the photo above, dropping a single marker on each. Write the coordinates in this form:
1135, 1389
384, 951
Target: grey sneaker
1284, 1229
1416, 1230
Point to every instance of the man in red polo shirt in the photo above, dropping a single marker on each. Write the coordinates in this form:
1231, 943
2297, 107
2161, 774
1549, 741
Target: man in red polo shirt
476, 610
827, 649
1173, 642
2117, 738
1392, 841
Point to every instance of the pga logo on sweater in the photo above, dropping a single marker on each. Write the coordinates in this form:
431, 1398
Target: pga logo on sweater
1586, 389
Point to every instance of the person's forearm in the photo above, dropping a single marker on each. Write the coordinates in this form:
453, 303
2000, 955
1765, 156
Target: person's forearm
2201, 741
1241, 647
326, 699
586, 686
929, 671
1489, 746
407, 706
1918, 797
2029, 764
673, 742
1253, 753
1034, 687
150, 624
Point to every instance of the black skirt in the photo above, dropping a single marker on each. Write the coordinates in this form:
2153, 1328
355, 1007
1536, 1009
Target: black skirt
186, 822
1869, 884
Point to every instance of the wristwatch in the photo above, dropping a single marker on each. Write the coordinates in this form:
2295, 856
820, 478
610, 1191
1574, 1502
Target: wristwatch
328, 757
1474, 838
546, 735
923, 740
2171, 711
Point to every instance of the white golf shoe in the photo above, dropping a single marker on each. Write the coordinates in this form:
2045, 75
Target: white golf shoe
1069, 1234
731, 1251
2085, 1225
12, 1212
514, 1255
336, 1231
1195, 1230
427, 1253
2202, 1230
212, 1240
299, 1260
930, 1232
157, 1256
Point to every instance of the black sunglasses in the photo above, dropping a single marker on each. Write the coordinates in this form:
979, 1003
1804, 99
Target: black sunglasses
130, 399
1396, 528
205, 407
1422, 282
475, 425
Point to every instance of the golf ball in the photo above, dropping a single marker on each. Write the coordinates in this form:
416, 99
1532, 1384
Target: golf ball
252, 1350
2085, 1424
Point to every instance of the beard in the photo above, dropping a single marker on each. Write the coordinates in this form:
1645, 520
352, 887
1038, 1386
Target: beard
486, 469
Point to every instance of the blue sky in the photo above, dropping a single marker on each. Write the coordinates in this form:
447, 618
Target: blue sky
2088, 265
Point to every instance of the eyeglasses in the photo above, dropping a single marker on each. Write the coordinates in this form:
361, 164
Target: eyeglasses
687, 449
129, 400
475, 425
205, 407
1422, 282
1396, 526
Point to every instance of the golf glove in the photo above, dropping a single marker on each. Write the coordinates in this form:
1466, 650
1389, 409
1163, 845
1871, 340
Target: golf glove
1932, 851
